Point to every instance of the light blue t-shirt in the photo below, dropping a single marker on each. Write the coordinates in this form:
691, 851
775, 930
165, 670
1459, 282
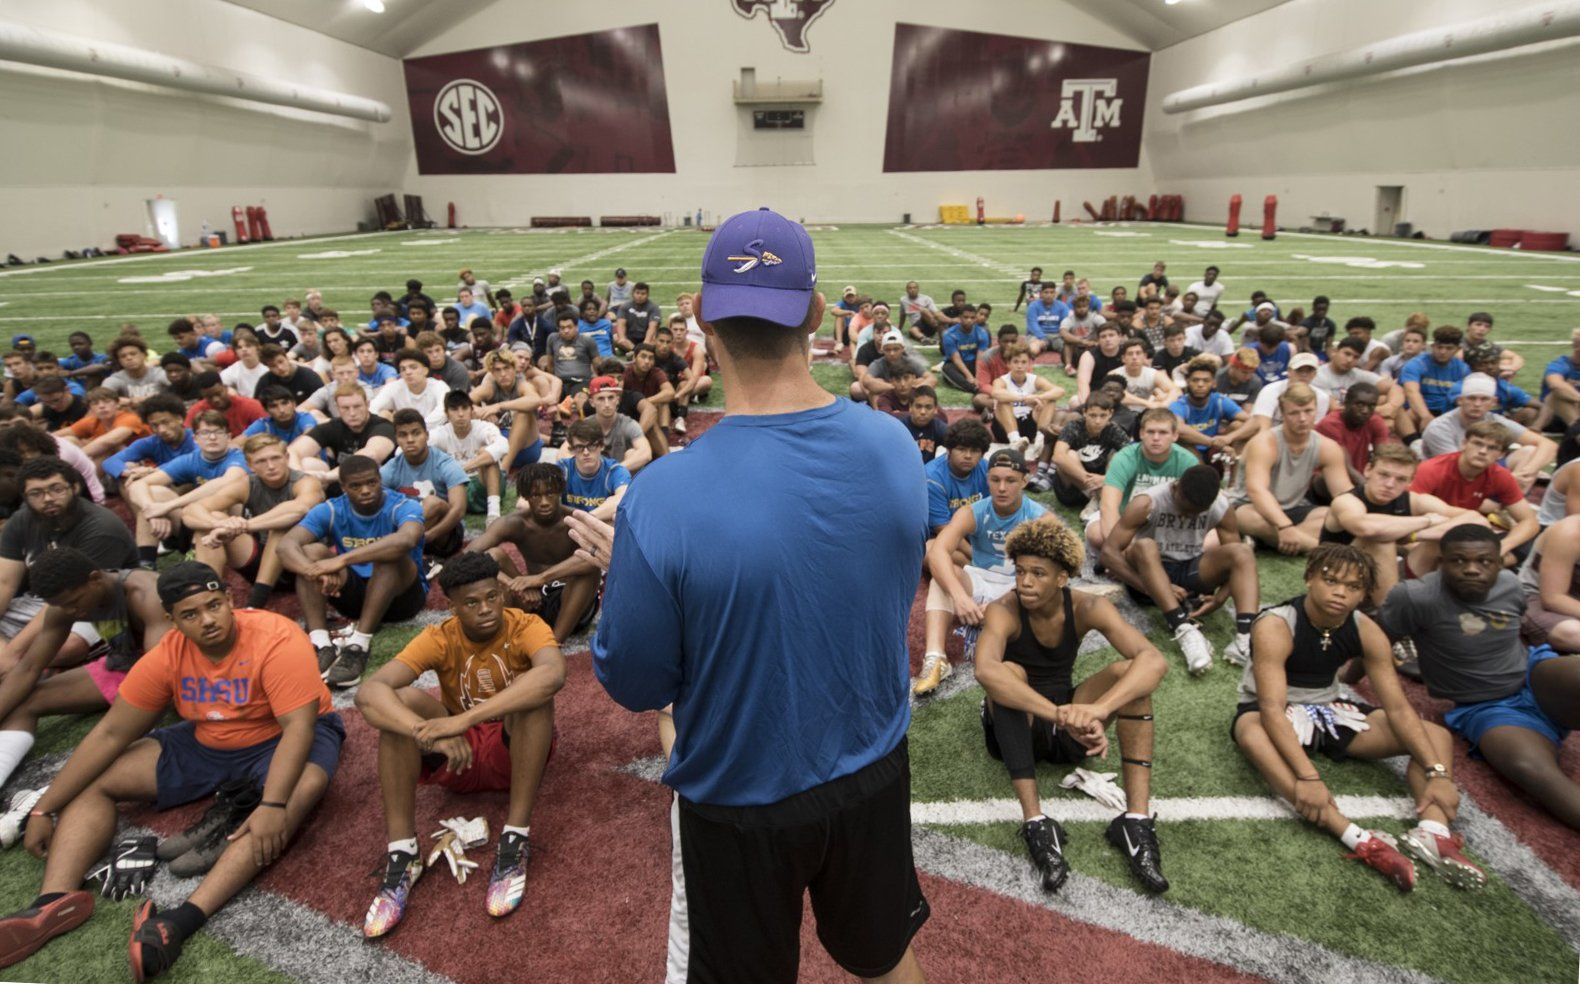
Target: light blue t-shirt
348, 529
588, 494
600, 332
382, 373
947, 492
780, 638
27, 397
151, 448
436, 476
1435, 379
194, 469
265, 425
956, 340
987, 543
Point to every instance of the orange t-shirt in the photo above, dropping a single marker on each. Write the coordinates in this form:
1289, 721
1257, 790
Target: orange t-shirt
472, 672
90, 427
237, 702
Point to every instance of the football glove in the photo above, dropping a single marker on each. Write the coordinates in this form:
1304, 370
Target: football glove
131, 867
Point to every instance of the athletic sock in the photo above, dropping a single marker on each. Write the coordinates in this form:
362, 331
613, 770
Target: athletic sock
509, 829
933, 652
1434, 828
493, 506
1136, 816
46, 899
148, 556
318, 637
1040, 816
1353, 836
187, 918
259, 595
407, 846
1176, 618
14, 746
360, 639
1243, 621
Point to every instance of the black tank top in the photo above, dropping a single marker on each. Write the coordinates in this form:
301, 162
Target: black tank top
1311, 664
1049, 670
1102, 365
1398, 507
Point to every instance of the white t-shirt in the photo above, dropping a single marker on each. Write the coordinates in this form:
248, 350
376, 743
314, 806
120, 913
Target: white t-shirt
1142, 384
1267, 401
1220, 344
463, 449
1082, 327
241, 379
429, 403
694, 332
1336, 385
1206, 296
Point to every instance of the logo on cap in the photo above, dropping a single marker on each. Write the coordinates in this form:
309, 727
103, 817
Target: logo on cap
755, 254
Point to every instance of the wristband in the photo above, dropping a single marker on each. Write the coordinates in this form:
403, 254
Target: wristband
53, 815
277, 806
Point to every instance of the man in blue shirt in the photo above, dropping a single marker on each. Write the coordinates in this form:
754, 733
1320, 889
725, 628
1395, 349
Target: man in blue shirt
370, 371
156, 499
468, 307
284, 420
961, 344
166, 417
83, 362
958, 478
1561, 387
1203, 411
1274, 352
1428, 379
1043, 317
593, 483
370, 569
766, 630
963, 591
597, 328
433, 478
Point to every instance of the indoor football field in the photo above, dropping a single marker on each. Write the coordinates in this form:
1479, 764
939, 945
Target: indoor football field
1256, 894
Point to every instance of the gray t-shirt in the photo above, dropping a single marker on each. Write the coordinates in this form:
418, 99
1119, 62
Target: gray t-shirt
1337, 384
153, 381
1178, 536
621, 436
573, 359
911, 308
453, 375
1446, 433
620, 293
639, 319
1470, 652
1555, 504
882, 368
261, 498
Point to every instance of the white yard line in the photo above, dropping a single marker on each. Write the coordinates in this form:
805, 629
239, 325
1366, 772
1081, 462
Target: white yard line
181, 254
1066, 809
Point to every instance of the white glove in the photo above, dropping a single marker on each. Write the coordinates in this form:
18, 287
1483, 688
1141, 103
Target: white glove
1300, 720
454, 836
1099, 786
471, 833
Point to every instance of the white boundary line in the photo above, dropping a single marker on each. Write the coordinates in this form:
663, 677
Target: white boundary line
1069, 810
56, 266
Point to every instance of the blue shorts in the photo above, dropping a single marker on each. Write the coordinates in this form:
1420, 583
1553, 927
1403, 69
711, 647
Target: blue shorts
1520, 709
527, 455
189, 770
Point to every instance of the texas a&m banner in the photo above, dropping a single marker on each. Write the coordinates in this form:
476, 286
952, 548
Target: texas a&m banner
965, 101
586, 104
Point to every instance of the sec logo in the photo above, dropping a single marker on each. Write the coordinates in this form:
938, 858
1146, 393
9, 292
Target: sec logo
468, 117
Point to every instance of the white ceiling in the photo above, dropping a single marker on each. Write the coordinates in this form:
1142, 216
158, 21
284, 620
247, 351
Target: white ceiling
406, 25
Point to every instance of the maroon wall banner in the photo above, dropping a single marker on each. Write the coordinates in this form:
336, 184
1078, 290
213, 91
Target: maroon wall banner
585, 104
964, 101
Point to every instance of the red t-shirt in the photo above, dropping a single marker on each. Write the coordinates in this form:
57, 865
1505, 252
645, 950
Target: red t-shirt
991, 366
1440, 477
237, 702
242, 411
647, 385
1357, 444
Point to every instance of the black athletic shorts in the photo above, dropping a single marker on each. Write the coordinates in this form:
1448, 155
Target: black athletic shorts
1297, 514
1048, 744
549, 607
1184, 573
747, 869
1024, 426
1335, 748
403, 606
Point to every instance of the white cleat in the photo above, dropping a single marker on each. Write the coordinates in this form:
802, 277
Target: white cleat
1238, 652
13, 823
1197, 650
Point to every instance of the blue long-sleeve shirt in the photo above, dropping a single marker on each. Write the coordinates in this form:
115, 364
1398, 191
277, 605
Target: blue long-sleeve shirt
1042, 320
150, 448
780, 637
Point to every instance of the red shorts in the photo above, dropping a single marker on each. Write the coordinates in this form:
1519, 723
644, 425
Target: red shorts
107, 680
490, 769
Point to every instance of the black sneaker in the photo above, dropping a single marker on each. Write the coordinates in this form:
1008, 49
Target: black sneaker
348, 667
1045, 841
1138, 840
155, 943
233, 801
326, 658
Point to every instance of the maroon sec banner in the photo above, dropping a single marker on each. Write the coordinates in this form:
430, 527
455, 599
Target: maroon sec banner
586, 104
964, 101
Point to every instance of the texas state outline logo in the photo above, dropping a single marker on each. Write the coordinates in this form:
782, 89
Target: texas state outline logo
791, 19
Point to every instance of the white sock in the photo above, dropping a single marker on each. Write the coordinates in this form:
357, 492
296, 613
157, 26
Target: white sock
1040, 816
14, 746
1136, 816
934, 652
1430, 826
1353, 835
407, 846
318, 637
360, 639
493, 505
508, 829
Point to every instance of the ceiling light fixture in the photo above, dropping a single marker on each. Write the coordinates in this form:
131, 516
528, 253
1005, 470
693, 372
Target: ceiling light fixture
377, 6
1170, 3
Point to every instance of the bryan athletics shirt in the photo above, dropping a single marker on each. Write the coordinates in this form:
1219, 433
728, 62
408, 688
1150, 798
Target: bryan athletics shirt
348, 529
781, 637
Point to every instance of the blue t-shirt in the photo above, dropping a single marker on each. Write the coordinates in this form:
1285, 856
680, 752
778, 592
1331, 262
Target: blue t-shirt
150, 448
194, 469
73, 362
265, 425
987, 543
27, 397
1275, 365
955, 340
1510, 396
349, 529
382, 373
1564, 366
1042, 321
588, 494
373, 325
437, 475
947, 492
1206, 419
476, 309
599, 332
780, 638
1435, 380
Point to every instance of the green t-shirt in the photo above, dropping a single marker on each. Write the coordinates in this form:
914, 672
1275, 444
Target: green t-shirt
1131, 472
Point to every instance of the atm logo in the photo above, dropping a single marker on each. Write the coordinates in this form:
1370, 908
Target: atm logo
1087, 106
468, 117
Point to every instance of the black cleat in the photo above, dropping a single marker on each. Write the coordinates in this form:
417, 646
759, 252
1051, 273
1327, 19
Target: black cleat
155, 944
326, 658
1045, 841
348, 667
1138, 841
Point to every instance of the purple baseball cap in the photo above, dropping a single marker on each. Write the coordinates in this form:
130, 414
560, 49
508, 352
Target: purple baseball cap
759, 265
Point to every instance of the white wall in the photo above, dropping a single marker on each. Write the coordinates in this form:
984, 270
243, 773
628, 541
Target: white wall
705, 45
1485, 143
82, 154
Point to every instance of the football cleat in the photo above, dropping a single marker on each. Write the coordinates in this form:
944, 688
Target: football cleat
508, 881
348, 667
1197, 650
1444, 856
195, 849
1238, 652
23, 932
13, 824
1045, 841
401, 872
326, 658
935, 670
155, 944
1381, 853
1138, 841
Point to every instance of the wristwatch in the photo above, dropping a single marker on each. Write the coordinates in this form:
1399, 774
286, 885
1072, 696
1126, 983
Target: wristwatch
1437, 771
